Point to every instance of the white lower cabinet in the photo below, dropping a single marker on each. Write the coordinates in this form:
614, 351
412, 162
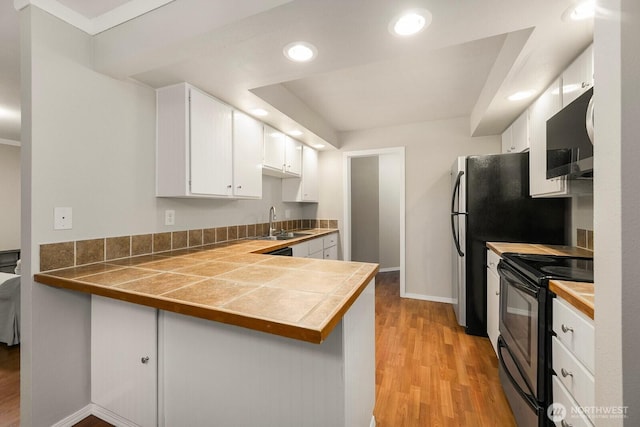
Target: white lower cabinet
124, 361
319, 248
573, 363
330, 246
493, 298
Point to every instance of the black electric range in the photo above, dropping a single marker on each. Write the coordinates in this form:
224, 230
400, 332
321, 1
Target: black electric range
524, 345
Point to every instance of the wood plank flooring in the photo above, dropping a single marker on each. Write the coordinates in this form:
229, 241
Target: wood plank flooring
428, 371
9, 385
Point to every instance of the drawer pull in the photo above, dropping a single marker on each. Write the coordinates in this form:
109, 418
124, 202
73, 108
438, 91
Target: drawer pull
145, 360
566, 373
497, 292
563, 423
566, 329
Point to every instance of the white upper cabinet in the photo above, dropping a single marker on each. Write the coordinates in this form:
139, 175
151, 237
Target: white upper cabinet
578, 77
205, 148
282, 154
515, 138
247, 156
305, 188
274, 141
540, 111
293, 156
194, 144
210, 145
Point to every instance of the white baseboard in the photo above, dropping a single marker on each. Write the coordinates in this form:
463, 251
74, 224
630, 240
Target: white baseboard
373, 421
428, 298
388, 269
111, 417
98, 411
75, 418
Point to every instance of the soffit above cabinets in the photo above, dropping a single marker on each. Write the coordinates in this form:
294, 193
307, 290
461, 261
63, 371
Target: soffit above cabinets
465, 64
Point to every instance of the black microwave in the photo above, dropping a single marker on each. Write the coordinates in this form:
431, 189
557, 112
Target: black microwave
570, 139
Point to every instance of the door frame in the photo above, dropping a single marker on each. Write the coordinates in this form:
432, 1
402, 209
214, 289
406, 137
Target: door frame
346, 247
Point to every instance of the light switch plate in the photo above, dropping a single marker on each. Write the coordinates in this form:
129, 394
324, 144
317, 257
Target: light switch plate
62, 218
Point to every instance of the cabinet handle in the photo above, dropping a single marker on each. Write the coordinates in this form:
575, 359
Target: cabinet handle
563, 423
566, 329
566, 373
240, 186
229, 186
497, 292
145, 360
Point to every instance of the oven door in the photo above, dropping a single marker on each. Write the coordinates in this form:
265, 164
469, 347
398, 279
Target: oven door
520, 301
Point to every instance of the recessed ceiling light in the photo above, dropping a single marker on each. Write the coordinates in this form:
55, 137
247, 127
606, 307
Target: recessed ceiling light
300, 51
410, 22
523, 94
578, 12
259, 112
295, 133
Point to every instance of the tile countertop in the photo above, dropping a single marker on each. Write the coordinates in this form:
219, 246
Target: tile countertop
578, 294
233, 283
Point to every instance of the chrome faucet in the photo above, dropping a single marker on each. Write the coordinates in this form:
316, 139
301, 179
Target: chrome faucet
272, 217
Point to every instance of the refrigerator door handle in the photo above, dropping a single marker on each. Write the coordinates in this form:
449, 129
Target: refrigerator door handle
454, 213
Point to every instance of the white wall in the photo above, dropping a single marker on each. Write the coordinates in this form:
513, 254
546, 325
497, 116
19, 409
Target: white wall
365, 211
616, 205
88, 143
9, 197
389, 182
431, 148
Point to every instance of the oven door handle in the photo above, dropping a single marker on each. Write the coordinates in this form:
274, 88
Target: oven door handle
531, 400
517, 282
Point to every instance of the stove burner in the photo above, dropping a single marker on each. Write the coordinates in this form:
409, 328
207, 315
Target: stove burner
536, 258
573, 273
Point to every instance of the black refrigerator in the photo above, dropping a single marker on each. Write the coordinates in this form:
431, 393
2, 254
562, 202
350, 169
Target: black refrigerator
490, 202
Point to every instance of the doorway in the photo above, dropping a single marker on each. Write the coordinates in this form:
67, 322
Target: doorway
374, 208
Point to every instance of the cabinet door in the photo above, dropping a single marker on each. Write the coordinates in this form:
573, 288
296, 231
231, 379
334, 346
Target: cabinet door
293, 156
578, 77
273, 149
309, 175
247, 156
507, 140
124, 359
520, 133
210, 145
493, 300
331, 253
540, 111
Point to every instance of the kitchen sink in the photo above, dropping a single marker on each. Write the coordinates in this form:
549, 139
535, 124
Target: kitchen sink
283, 236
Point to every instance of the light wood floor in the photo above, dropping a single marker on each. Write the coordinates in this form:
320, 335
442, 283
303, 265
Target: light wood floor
428, 371
9, 385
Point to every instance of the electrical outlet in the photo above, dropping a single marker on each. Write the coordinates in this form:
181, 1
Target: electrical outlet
62, 218
169, 217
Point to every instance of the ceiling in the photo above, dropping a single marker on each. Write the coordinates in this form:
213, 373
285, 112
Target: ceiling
474, 54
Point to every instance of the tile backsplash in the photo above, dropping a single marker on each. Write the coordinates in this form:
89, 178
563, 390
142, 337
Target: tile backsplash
69, 254
585, 238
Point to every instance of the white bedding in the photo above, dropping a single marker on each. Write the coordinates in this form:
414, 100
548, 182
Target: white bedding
9, 308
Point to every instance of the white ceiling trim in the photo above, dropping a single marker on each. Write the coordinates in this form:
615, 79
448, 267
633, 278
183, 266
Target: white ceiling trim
10, 142
110, 19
